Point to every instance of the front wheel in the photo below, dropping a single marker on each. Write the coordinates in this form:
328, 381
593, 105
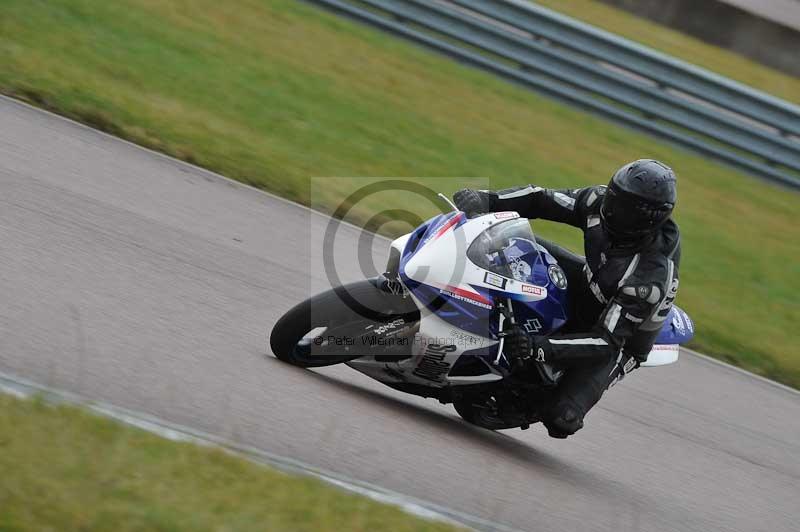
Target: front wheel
318, 332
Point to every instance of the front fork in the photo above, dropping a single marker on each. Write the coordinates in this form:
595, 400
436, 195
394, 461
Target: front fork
505, 316
547, 376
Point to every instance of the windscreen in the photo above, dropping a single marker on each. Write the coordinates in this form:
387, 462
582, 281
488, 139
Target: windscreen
507, 249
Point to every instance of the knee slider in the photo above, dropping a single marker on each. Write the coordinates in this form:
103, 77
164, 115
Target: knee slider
566, 419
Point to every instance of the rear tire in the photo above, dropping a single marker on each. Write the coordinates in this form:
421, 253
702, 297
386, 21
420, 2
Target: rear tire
353, 306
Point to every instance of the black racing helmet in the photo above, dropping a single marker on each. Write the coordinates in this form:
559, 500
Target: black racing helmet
639, 199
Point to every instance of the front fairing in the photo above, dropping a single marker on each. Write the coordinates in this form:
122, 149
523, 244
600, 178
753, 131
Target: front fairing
469, 299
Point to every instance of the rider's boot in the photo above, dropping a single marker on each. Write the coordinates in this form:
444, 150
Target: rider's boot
577, 393
565, 419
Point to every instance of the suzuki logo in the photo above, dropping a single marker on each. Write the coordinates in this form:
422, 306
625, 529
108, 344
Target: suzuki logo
532, 326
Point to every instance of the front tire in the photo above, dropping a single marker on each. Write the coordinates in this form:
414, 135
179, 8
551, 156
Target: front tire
348, 309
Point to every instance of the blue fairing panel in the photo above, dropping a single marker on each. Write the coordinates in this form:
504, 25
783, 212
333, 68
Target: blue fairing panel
464, 315
678, 328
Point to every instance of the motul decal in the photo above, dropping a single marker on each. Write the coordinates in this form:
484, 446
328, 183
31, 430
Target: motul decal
530, 289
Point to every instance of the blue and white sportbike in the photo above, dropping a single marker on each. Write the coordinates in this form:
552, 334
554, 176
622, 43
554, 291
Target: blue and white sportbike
433, 324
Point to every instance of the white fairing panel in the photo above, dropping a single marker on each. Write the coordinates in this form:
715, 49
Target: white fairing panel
442, 261
436, 348
399, 243
661, 355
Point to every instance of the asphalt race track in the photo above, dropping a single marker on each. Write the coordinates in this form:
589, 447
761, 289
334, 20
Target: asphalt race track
138, 280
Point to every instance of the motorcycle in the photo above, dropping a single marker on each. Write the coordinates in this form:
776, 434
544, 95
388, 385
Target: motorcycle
433, 324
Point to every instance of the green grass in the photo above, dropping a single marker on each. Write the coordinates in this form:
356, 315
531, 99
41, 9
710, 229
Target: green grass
680, 45
66, 469
275, 92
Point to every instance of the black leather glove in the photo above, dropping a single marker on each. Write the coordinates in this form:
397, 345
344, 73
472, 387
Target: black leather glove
472, 202
521, 348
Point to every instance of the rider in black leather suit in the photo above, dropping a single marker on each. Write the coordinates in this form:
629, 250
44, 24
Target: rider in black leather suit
621, 293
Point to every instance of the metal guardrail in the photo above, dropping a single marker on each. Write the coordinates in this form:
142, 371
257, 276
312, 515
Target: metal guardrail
604, 74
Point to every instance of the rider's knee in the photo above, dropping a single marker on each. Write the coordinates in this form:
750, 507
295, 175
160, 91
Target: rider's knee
565, 420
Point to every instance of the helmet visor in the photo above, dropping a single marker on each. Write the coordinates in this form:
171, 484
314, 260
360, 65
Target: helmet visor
627, 215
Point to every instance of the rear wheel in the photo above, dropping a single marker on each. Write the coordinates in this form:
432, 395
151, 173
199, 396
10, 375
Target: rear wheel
327, 329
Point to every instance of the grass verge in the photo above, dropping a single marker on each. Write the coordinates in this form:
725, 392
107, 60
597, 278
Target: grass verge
272, 93
66, 469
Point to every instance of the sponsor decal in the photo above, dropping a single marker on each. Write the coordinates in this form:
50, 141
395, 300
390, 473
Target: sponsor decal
540, 355
557, 275
433, 366
466, 296
630, 365
464, 339
389, 326
532, 326
531, 289
664, 347
495, 280
677, 322
506, 215
520, 270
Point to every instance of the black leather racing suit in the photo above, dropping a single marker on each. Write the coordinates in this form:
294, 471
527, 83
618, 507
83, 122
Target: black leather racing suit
621, 294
